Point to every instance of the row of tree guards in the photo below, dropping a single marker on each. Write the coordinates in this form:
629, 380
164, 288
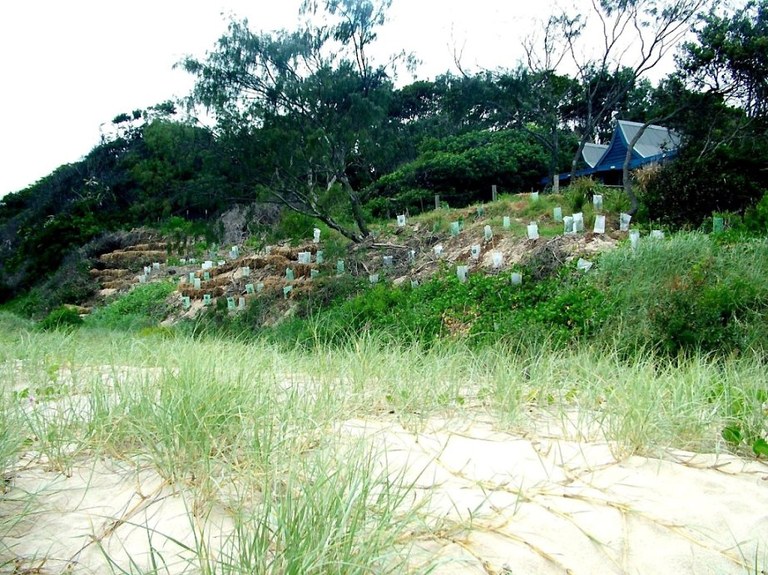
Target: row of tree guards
572, 225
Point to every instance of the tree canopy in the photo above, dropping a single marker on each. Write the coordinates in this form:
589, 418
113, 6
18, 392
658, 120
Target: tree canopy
307, 119
316, 101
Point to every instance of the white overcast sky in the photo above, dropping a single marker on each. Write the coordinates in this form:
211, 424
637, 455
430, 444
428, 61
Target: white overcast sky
68, 66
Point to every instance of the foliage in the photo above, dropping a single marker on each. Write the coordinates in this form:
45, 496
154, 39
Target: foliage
730, 57
159, 169
745, 416
462, 170
294, 226
305, 116
316, 103
70, 284
684, 192
143, 306
580, 192
689, 293
721, 165
179, 231
615, 201
756, 217
482, 310
61, 318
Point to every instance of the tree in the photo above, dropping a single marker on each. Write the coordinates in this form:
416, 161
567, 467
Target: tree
534, 101
634, 36
668, 100
462, 170
730, 57
722, 161
316, 101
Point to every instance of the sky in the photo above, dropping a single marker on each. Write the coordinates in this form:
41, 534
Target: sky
69, 67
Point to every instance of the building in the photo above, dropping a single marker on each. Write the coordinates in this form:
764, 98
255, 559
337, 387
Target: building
606, 162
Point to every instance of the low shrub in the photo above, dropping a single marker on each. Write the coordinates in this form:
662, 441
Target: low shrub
142, 307
615, 201
688, 293
480, 311
756, 217
61, 318
579, 193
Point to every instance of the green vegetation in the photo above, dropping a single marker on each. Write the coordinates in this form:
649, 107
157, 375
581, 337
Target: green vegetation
269, 435
143, 307
483, 310
61, 318
366, 149
252, 419
248, 414
690, 293
462, 170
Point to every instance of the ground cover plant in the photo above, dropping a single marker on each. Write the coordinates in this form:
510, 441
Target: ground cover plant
689, 292
482, 310
253, 440
275, 435
144, 306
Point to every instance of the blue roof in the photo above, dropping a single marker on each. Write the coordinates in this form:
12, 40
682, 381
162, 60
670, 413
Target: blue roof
592, 153
656, 144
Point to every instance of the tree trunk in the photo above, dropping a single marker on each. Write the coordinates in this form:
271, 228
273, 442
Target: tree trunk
576, 156
333, 224
555, 161
625, 177
357, 208
306, 207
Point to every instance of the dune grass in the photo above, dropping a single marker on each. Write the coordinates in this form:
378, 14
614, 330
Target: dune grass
687, 292
257, 430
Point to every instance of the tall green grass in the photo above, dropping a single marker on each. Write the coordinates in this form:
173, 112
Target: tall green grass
258, 431
144, 306
687, 293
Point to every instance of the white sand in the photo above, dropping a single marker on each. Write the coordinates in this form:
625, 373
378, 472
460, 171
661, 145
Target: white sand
549, 505
505, 504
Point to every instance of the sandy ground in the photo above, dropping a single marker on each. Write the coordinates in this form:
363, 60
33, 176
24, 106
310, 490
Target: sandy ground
505, 503
545, 504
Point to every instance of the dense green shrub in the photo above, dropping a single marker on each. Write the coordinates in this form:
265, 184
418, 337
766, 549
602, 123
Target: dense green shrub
462, 170
684, 192
70, 284
615, 201
756, 217
27, 305
294, 226
688, 293
61, 318
144, 306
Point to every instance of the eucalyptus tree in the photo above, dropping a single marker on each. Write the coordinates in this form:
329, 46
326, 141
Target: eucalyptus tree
725, 149
611, 46
315, 101
729, 57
